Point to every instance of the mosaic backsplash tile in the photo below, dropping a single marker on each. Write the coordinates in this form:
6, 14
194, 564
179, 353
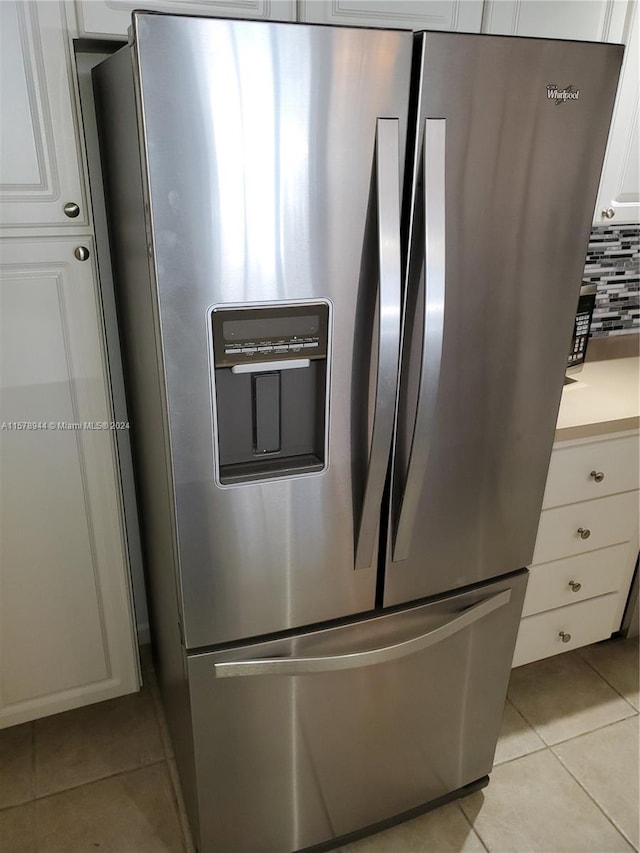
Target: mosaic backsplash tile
613, 262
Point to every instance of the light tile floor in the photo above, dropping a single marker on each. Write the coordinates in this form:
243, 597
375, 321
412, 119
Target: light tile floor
102, 778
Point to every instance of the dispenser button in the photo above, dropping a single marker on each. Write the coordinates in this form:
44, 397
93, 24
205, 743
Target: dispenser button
248, 350
310, 345
265, 349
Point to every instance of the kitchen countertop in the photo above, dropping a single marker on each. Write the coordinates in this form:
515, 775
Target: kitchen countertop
605, 399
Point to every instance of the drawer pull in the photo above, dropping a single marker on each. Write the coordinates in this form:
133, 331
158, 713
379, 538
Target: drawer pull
584, 532
575, 586
598, 476
564, 636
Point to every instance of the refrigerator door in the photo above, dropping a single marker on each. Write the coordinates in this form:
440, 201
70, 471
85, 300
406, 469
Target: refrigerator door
273, 171
508, 137
301, 740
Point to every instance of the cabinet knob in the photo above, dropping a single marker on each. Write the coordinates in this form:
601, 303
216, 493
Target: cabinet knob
71, 209
584, 532
564, 636
598, 476
81, 253
575, 586
609, 213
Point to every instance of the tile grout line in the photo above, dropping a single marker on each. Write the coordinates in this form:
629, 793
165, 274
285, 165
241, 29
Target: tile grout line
473, 829
89, 782
528, 721
615, 689
551, 746
593, 799
530, 724
591, 731
524, 755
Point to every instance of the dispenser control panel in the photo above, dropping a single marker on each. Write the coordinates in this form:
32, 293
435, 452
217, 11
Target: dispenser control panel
269, 333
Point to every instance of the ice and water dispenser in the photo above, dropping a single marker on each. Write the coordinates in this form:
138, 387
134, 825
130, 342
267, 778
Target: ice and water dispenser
271, 374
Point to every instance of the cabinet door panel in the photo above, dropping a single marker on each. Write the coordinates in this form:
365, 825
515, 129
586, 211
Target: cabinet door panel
66, 635
40, 157
457, 15
619, 194
588, 20
112, 17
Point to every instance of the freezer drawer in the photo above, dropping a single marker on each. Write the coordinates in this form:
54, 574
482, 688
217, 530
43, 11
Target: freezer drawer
307, 738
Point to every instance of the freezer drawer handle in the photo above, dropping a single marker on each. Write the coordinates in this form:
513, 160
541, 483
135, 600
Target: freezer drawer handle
434, 306
388, 212
369, 657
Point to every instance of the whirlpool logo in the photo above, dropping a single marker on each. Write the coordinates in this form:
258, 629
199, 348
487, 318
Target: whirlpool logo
568, 93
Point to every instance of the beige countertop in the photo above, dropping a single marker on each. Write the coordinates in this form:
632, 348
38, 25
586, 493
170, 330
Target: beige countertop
605, 399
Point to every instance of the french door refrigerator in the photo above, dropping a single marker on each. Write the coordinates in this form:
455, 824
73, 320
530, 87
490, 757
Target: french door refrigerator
347, 263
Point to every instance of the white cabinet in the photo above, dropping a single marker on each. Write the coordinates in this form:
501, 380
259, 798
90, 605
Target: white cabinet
66, 627
586, 547
456, 15
40, 157
111, 18
588, 20
619, 193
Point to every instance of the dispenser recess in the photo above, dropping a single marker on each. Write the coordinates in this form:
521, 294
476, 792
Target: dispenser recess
270, 390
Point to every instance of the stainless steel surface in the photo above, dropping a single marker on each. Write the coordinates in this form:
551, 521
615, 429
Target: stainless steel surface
259, 144
367, 657
262, 366
144, 364
312, 757
609, 213
584, 532
81, 253
521, 180
564, 637
433, 281
71, 209
388, 176
575, 586
598, 476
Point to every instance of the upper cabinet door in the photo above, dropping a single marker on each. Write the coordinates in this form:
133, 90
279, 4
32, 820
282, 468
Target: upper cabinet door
619, 194
457, 15
40, 156
583, 20
111, 18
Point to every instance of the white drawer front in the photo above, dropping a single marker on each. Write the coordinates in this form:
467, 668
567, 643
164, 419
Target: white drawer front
576, 578
587, 622
570, 478
607, 521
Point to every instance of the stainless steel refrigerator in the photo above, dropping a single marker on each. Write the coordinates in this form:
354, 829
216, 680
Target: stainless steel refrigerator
347, 262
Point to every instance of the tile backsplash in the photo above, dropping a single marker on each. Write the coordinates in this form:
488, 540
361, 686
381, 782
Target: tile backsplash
613, 262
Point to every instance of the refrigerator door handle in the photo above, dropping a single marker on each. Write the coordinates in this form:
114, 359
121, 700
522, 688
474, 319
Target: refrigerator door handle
368, 657
434, 304
387, 166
